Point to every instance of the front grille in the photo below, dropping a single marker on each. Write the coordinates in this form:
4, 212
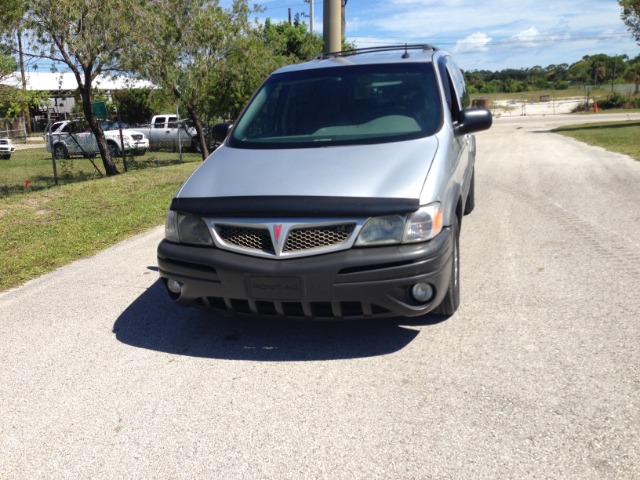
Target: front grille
246, 237
284, 240
317, 237
4, 142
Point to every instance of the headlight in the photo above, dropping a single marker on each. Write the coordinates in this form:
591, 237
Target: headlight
187, 229
424, 224
171, 227
381, 231
420, 226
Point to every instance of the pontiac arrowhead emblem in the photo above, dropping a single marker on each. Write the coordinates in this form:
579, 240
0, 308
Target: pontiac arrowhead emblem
277, 229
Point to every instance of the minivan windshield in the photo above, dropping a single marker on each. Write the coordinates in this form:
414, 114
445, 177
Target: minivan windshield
343, 105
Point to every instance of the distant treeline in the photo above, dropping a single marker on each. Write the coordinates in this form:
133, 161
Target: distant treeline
595, 70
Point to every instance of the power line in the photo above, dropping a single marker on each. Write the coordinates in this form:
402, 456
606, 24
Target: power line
523, 39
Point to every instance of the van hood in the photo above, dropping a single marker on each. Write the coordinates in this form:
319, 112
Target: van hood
389, 170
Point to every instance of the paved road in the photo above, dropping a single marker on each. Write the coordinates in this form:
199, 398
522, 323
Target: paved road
535, 377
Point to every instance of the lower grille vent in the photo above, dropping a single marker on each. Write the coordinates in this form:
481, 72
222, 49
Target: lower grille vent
296, 309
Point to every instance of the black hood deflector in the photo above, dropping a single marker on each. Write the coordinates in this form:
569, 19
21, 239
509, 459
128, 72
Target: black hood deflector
294, 206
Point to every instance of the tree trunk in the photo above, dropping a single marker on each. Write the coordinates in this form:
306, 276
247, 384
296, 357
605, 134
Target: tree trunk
204, 148
109, 165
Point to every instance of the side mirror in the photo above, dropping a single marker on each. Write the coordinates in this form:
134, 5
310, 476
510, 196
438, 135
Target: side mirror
220, 132
474, 120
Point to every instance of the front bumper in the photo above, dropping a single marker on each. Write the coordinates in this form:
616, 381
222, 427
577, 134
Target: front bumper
354, 283
137, 148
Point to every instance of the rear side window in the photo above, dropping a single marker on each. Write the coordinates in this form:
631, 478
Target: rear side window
343, 105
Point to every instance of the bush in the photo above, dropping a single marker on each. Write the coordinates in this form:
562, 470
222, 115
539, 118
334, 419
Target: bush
612, 101
582, 107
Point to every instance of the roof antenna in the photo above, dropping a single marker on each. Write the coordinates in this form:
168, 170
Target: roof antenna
406, 52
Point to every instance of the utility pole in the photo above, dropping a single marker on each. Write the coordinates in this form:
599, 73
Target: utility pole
344, 19
332, 25
310, 2
25, 107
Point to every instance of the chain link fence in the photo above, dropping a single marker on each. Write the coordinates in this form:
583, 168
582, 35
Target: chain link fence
67, 152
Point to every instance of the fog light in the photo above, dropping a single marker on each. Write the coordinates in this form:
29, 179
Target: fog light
174, 286
422, 292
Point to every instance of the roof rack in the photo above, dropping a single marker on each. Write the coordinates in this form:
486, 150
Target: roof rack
386, 48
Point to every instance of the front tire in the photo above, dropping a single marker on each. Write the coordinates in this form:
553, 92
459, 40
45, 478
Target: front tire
113, 149
60, 151
451, 301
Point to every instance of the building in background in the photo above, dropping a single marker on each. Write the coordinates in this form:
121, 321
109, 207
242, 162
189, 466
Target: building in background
62, 90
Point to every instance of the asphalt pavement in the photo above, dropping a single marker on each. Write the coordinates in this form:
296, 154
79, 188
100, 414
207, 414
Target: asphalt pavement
535, 377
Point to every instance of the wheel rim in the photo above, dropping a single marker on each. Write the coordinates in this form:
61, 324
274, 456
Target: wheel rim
59, 152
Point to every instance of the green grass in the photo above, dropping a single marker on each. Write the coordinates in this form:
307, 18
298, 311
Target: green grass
47, 228
35, 166
621, 137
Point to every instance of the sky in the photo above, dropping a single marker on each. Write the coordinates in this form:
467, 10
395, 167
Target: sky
482, 35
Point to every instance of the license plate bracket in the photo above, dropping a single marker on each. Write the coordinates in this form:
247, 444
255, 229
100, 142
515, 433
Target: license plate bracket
275, 288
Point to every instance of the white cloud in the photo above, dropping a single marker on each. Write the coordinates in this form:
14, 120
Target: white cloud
495, 34
476, 42
530, 37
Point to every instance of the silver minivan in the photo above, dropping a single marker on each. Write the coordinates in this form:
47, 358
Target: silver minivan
339, 192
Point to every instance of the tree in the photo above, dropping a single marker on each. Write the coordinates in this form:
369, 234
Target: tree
261, 51
579, 72
631, 16
632, 73
292, 41
240, 74
12, 17
88, 36
598, 71
185, 49
133, 105
7, 63
557, 73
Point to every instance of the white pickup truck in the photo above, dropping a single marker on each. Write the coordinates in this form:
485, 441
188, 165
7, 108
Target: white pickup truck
167, 131
6, 148
67, 139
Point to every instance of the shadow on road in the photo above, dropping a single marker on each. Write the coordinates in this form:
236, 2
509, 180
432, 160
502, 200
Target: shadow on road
154, 322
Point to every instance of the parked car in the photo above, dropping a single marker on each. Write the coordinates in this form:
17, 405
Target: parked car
6, 148
339, 192
67, 138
